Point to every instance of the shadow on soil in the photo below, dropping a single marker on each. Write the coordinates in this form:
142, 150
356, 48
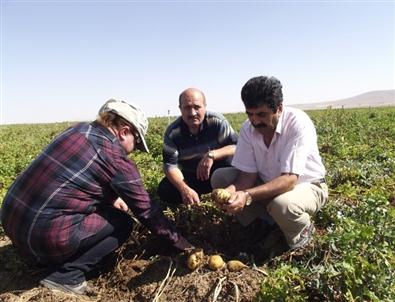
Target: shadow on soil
16, 274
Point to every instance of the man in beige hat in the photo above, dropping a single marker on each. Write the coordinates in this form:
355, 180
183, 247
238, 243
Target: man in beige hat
67, 210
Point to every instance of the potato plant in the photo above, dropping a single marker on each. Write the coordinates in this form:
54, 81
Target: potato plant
352, 257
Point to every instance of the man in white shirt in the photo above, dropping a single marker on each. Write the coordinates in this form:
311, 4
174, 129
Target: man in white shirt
277, 171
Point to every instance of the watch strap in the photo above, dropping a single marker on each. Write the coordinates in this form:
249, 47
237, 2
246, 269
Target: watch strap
248, 198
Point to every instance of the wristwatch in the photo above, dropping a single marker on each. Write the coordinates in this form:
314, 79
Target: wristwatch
210, 154
248, 198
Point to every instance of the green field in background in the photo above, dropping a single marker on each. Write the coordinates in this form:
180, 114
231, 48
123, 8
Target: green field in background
353, 259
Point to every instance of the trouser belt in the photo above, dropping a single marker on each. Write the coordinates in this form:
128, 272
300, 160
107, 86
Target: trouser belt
319, 182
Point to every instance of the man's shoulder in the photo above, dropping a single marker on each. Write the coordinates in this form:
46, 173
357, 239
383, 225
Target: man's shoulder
94, 131
296, 115
174, 124
292, 111
247, 128
215, 115
215, 118
174, 127
297, 119
76, 127
246, 125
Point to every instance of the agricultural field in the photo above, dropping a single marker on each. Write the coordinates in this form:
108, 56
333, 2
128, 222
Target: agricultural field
351, 258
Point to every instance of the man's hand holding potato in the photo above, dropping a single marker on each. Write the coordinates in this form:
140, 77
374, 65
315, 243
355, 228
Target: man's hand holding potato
229, 202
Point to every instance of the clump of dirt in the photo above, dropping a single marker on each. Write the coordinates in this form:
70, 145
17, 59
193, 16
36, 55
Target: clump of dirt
142, 271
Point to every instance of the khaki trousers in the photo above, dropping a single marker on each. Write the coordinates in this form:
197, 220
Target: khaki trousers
290, 210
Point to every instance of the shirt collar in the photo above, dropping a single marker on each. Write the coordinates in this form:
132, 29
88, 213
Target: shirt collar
107, 133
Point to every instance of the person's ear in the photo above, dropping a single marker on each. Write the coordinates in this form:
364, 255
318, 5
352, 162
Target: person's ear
280, 108
123, 132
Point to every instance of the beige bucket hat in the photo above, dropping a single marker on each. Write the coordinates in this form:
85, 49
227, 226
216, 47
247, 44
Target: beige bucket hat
132, 114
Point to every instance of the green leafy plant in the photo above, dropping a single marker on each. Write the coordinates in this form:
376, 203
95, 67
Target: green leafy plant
352, 256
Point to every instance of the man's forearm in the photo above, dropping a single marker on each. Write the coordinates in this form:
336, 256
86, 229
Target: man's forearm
273, 188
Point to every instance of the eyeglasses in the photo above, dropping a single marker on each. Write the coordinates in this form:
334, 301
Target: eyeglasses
137, 137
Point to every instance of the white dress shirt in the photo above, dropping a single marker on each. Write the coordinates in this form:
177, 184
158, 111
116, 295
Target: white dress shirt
293, 149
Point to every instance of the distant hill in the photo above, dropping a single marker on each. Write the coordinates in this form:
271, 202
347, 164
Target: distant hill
376, 98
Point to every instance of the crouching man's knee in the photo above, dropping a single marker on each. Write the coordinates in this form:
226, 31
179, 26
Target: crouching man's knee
223, 177
290, 216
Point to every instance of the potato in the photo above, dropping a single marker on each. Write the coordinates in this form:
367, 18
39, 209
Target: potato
195, 259
215, 262
235, 265
220, 196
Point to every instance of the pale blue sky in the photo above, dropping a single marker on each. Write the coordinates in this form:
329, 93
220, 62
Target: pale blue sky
60, 60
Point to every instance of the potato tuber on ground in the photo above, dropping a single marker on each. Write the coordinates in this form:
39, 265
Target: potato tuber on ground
195, 259
215, 262
235, 265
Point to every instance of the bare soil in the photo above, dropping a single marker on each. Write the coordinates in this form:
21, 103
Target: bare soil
139, 270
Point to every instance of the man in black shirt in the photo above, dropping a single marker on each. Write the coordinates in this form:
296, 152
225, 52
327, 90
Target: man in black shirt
195, 145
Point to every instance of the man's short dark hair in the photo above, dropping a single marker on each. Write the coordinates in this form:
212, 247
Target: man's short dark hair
262, 90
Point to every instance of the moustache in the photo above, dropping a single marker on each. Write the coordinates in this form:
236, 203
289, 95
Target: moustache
260, 126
